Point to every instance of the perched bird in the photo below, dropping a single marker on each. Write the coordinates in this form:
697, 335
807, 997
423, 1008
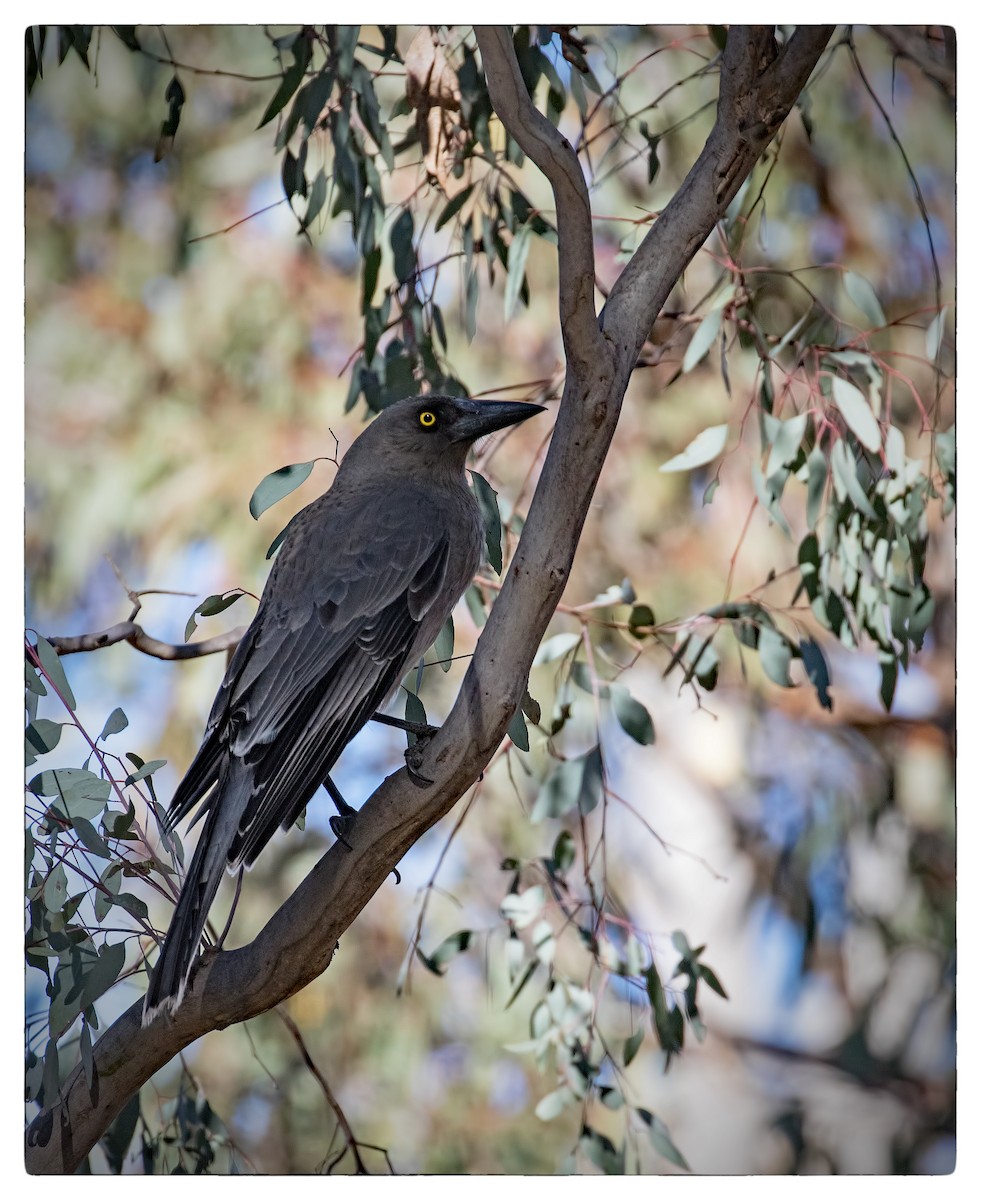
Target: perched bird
363, 582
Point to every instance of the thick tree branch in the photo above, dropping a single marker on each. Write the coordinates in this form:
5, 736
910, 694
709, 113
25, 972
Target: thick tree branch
136, 635
300, 939
556, 159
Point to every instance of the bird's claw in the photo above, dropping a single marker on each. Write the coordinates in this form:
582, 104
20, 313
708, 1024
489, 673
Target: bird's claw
414, 755
413, 761
340, 825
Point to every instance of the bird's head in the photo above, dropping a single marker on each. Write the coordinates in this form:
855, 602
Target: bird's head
433, 433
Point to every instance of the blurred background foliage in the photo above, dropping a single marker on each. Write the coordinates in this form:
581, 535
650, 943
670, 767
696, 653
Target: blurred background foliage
183, 341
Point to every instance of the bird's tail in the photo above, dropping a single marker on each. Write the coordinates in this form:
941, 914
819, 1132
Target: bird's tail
169, 980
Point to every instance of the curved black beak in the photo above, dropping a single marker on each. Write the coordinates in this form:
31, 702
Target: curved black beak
477, 418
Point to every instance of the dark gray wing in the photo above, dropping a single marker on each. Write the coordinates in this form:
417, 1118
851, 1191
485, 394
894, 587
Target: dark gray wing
356, 591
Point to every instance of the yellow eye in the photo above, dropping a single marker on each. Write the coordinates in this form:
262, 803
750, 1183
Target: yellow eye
427, 419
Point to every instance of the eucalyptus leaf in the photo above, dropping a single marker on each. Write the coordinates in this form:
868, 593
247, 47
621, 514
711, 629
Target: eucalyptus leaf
816, 667
276, 485
857, 412
554, 1103
708, 445
632, 1045
493, 530
518, 731
55, 671
634, 718
845, 475
935, 334
862, 295
448, 949
116, 722
43, 735
521, 908
443, 646
517, 257
772, 505
785, 440
775, 654
555, 647
660, 1138
702, 339
817, 477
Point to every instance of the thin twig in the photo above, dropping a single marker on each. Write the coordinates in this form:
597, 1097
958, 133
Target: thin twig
352, 1142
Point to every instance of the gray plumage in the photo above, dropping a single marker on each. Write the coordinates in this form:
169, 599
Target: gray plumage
363, 582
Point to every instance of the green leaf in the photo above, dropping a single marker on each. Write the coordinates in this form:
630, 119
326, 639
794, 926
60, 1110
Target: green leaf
857, 413
816, 667
518, 731
111, 880
554, 1103
210, 607
657, 1131
668, 1029
175, 97
402, 248
132, 904
708, 445
79, 792
531, 708
145, 770
117, 1139
563, 852
415, 711
555, 647
634, 718
275, 486
443, 646
641, 618
862, 295
521, 908
596, 1146
889, 674
277, 541
785, 439
632, 1045
577, 781
55, 672
493, 530
611, 1098
935, 334
698, 347
89, 838
318, 195
584, 678
116, 722
775, 655
448, 949
43, 735
290, 81
517, 257
453, 207
817, 477
712, 980
844, 472
371, 267
476, 606
55, 891
766, 497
